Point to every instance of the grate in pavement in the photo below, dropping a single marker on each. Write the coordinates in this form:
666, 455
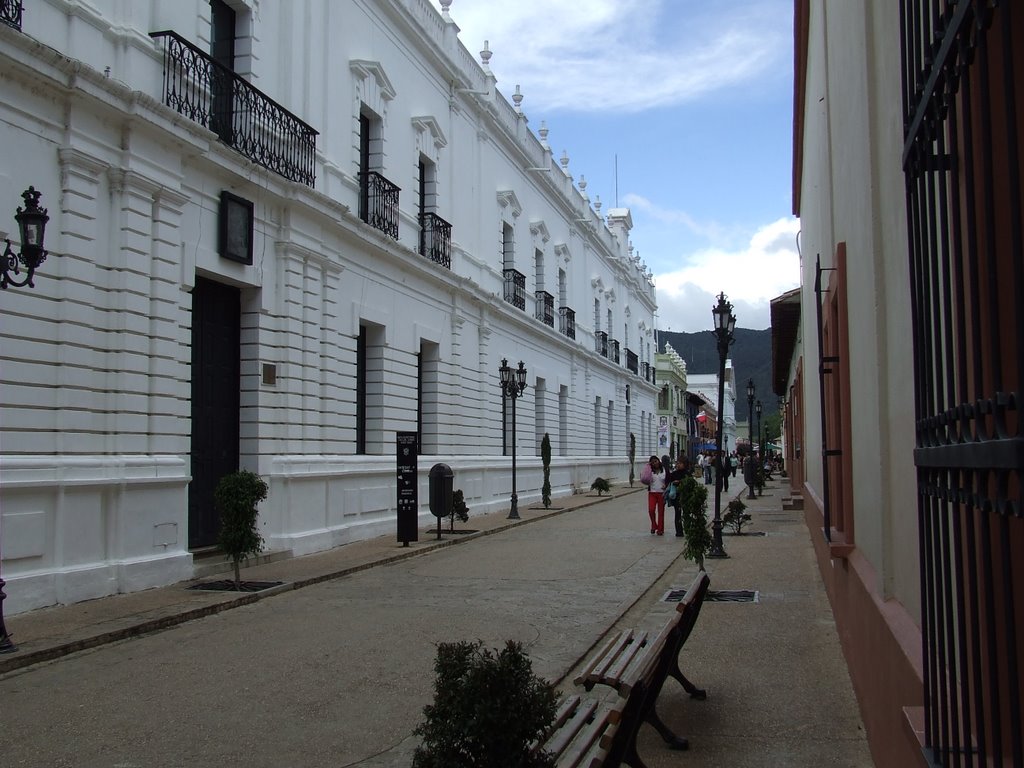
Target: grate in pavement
717, 596
228, 585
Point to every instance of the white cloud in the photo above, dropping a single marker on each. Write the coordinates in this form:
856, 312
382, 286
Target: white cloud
621, 55
751, 277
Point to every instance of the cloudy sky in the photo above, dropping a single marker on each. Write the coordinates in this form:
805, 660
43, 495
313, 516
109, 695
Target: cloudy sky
680, 110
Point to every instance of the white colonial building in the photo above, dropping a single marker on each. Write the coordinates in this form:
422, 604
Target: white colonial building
279, 234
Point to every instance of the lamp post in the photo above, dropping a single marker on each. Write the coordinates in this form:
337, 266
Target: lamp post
725, 324
760, 442
513, 382
32, 228
750, 413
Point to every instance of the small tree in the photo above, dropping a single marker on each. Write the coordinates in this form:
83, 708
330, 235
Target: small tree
632, 457
735, 517
459, 508
235, 498
601, 486
488, 709
545, 457
693, 499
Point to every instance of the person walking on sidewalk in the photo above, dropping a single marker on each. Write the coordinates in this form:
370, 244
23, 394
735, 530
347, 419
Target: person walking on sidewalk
653, 476
681, 471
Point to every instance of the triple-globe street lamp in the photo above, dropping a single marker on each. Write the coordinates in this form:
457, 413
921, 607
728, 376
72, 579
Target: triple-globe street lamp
725, 325
513, 382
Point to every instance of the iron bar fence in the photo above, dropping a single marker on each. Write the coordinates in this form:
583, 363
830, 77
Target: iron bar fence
545, 308
515, 288
567, 322
378, 202
436, 239
961, 100
10, 13
244, 117
613, 350
632, 361
601, 343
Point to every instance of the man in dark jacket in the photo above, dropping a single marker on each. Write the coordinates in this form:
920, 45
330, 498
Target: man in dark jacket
682, 470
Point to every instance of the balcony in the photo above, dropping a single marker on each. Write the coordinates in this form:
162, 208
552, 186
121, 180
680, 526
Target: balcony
515, 288
436, 239
245, 118
647, 374
601, 343
378, 202
567, 322
10, 13
545, 311
632, 361
613, 351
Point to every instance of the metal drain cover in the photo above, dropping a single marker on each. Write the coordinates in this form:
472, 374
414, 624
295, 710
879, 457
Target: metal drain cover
717, 596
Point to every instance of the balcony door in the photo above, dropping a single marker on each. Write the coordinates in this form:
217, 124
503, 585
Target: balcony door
222, 51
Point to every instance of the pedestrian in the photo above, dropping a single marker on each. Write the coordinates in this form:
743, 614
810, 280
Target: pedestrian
708, 466
750, 474
653, 476
674, 479
734, 463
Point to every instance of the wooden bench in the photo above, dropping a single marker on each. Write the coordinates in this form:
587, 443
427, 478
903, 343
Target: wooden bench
636, 664
583, 733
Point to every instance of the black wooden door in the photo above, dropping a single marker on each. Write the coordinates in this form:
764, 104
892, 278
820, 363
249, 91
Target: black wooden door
216, 311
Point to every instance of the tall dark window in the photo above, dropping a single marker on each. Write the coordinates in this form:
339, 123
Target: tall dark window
222, 51
361, 391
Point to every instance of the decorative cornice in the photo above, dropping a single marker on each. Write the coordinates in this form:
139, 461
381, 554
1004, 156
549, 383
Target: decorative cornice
507, 199
366, 69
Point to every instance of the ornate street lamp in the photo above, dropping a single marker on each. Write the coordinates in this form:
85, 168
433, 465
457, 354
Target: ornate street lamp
760, 442
725, 324
513, 382
32, 226
750, 413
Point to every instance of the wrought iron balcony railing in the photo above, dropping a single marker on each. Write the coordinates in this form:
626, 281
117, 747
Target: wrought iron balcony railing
567, 322
601, 343
613, 350
546, 308
632, 361
244, 117
10, 13
436, 239
646, 373
378, 203
515, 288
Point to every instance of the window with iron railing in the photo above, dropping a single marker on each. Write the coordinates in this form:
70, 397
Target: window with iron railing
567, 322
613, 350
515, 288
10, 13
601, 343
436, 239
246, 119
378, 202
646, 372
632, 361
545, 311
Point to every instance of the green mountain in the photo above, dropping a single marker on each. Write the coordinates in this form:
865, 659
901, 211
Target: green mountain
751, 355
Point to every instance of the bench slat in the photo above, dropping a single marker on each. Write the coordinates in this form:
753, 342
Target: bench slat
595, 667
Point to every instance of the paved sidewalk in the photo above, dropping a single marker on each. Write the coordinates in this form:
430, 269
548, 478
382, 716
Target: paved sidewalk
778, 690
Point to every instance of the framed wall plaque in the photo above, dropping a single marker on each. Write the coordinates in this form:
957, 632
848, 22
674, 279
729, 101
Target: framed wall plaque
235, 228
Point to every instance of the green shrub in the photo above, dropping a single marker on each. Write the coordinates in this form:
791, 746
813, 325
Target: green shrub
235, 498
545, 457
693, 500
632, 458
488, 709
459, 509
735, 517
601, 486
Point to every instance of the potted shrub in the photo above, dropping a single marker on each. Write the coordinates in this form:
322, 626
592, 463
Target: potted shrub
489, 708
545, 457
601, 486
693, 500
735, 516
632, 457
459, 508
235, 498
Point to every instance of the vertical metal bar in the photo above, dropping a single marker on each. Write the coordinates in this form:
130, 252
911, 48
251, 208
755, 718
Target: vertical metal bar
825, 500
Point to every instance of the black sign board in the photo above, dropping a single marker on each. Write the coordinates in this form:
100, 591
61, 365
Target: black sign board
407, 487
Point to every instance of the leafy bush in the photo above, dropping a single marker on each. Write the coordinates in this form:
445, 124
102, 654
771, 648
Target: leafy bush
632, 457
735, 517
235, 498
459, 509
488, 709
693, 500
601, 486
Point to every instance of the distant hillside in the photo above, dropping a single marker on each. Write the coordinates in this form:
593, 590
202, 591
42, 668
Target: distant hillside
751, 355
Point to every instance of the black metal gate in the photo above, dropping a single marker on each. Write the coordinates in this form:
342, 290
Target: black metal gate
962, 84
216, 316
